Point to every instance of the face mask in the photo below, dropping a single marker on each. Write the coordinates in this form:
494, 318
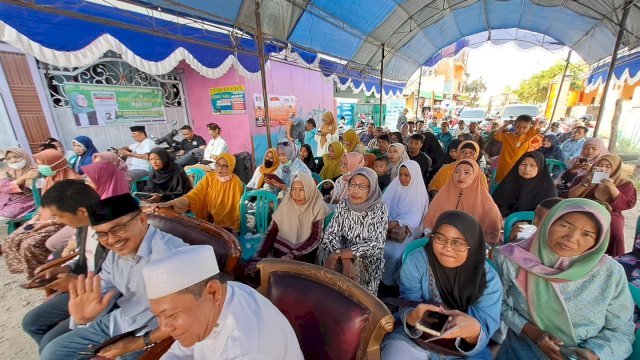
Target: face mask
288, 163
46, 170
19, 165
268, 163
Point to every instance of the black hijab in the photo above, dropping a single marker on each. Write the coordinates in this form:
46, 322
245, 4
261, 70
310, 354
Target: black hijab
453, 145
460, 287
309, 161
518, 194
432, 148
170, 180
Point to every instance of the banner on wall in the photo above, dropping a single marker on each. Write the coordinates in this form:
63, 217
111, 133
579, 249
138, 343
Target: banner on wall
281, 109
392, 112
346, 110
100, 105
228, 100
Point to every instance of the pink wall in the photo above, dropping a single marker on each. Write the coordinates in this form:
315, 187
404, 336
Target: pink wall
314, 95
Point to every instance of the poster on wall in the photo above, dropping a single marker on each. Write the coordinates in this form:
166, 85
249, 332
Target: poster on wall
281, 109
346, 110
100, 105
393, 111
228, 100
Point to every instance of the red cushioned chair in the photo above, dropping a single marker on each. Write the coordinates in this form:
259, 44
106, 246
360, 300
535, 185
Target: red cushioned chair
333, 316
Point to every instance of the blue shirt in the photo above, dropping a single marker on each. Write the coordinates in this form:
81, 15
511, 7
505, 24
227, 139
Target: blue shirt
310, 138
445, 139
125, 276
572, 148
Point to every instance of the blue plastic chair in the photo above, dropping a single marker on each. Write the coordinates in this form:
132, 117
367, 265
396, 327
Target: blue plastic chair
198, 174
513, 218
415, 244
635, 294
492, 181
554, 164
134, 184
250, 243
12, 225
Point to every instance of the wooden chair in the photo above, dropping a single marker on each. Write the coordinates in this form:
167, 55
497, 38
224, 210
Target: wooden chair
333, 316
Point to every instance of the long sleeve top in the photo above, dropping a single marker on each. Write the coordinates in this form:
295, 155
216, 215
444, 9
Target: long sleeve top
273, 242
599, 306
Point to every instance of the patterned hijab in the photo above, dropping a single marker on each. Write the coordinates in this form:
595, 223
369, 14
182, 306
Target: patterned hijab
541, 268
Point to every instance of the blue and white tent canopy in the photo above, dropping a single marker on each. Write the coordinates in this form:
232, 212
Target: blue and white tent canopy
627, 69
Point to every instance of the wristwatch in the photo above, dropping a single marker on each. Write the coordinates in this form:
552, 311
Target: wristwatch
339, 253
148, 344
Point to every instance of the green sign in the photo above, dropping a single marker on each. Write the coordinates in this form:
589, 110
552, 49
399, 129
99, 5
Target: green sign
100, 105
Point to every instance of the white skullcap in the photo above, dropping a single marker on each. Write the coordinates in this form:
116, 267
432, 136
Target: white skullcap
179, 269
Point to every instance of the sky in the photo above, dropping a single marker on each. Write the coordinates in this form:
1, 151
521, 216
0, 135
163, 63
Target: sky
508, 64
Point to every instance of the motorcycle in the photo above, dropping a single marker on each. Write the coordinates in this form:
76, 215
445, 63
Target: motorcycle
172, 145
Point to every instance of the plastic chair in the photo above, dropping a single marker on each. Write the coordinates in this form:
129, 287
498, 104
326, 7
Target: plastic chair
554, 164
635, 294
251, 242
317, 178
513, 218
198, 174
415, 244
328, 219
12, 225
638, 227
134, 184
492, 181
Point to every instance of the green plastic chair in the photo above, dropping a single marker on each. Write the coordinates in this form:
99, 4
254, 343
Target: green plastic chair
638, 227
492, 181
317, 178
12, 225
415, 244
554, 164
327, 220
250, 243
635, 294
513, 218
134, 184
198, 174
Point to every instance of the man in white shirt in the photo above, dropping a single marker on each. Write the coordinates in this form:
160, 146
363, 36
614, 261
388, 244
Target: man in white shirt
138, 153
211, 318
216, 145
460, 129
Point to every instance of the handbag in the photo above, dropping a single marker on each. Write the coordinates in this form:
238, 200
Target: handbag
398, 234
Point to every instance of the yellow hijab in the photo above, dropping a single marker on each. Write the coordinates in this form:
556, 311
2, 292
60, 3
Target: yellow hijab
329, 126
331, 168
268, 170
352, 138
217, 199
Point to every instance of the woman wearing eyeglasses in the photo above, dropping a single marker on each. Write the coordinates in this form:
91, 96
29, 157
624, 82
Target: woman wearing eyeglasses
290, 166
216, 197
448, 276
467, 191
353, 243
563, 297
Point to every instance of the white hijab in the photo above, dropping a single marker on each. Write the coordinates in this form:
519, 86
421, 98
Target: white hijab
407, 204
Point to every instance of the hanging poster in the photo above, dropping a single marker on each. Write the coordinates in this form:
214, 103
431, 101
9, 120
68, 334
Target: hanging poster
99, 105
346, 110
393, 111
281, 109
228, 100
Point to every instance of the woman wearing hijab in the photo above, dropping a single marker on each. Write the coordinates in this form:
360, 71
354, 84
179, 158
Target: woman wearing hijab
352, 142
467, 150
562, 295
296, 227
25, 249
290, 166
592, 150
84, 149
269, 165
615, 193
467, 191
631, 264
306, 156
550, 148
328, 133
450, 270
216, 198
331, 161
167, 180
348, 164
432, 148
353, 243
525, 186
407, 201
396, 137
16, 197
108, 156
397, 156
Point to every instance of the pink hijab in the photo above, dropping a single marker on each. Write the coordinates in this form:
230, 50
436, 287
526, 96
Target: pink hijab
115, 160
108, 180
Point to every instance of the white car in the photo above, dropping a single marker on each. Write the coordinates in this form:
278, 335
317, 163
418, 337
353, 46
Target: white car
513, 111
469, 115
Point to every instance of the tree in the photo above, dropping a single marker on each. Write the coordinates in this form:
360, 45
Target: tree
473, 90
534, 90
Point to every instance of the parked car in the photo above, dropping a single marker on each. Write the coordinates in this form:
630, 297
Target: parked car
513, 111
476, 115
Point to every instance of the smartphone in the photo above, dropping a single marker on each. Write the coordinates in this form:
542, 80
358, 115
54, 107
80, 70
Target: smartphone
582, 160
38, 284
143, 195
569, 353
205, 162
432, 323
274, 177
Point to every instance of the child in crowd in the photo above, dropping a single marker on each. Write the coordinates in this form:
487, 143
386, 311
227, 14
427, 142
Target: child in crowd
541, 211
383, 143
381, 167
514, 145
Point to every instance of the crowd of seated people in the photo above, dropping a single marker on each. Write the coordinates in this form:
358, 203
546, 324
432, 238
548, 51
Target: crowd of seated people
553, 287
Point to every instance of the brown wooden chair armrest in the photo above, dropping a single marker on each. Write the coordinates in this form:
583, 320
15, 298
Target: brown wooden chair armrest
158, 350
55, 263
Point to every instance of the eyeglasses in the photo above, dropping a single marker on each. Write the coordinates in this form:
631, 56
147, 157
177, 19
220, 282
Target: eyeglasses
222, 166
456, 245
359, 186
115, 231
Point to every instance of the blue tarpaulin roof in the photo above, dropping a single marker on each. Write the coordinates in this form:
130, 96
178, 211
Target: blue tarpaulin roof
627, 68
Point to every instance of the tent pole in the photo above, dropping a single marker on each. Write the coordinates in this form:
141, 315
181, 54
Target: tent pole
418, 101
381, 83
612, 65
263, 75
564, 74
